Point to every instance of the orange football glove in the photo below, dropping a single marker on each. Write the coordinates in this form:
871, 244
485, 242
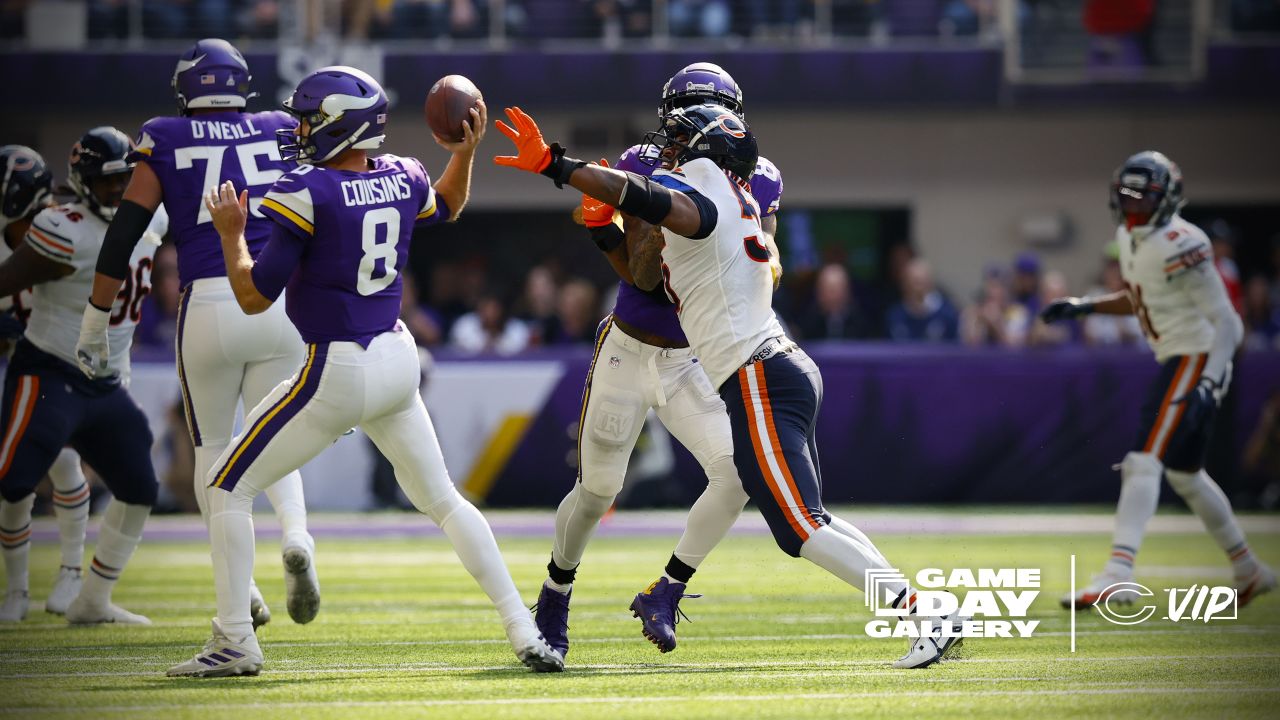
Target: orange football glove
596, 213
532, 153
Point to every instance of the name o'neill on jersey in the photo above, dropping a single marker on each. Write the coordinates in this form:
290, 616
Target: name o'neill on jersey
72, 235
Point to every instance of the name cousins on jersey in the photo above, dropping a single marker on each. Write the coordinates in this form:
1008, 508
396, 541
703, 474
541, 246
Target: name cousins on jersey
995, 602
376, 190
219, 130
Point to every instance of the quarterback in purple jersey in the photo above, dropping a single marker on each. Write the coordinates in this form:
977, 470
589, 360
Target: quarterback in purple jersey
223, 356
341, 226
643, 361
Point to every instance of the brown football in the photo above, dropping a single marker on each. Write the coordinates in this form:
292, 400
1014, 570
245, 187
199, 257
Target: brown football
449, 104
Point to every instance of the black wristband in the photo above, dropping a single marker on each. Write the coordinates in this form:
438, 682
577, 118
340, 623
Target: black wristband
94, 305
607, 237
561, 167
126, 228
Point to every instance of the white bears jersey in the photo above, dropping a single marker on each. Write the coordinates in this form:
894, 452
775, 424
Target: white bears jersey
1168, 273
72, 235
721, 284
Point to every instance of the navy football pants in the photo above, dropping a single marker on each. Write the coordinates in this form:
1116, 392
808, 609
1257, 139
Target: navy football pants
48, 405
773, 409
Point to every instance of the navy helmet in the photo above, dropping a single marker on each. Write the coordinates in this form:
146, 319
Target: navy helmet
99, 153
344, 108
1146, 191
708, 131
701, 83
25, 183
211, 74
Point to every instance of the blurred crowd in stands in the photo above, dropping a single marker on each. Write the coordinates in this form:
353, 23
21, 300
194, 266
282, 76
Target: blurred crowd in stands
459, 305
878, 20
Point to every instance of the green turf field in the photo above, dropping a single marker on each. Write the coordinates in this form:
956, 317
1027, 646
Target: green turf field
404, 633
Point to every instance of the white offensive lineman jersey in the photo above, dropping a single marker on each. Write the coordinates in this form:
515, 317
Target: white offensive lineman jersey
1167, 272
72, 235
721, 284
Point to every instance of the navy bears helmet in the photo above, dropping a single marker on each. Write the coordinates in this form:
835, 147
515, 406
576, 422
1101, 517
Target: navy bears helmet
704, 131
1146, 191
97, 155
25, 183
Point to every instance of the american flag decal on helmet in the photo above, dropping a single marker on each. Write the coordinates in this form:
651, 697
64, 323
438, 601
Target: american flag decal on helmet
207, 79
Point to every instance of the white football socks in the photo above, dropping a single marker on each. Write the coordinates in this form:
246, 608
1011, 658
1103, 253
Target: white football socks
286, 498
713, 513
15, 540
1210, 504
847, 559
1139, 495
70, 506
577, 518
231, 544
118, 538
473, 541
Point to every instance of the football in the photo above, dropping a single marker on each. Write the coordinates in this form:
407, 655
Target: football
449, 104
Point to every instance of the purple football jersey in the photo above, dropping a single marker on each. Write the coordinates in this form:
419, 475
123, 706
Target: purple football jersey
652, 311
189, 155
354, 230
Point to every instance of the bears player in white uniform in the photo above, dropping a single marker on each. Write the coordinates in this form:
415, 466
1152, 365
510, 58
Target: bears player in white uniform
1183, 308
25, 189
715, 268
642, 361
222, 354
47, 403
342, 224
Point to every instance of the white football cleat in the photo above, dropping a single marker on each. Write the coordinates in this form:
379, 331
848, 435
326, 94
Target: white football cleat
84, 612
1100, 589
927, 650
65, 589
1263, 580
15, 606
532, 648
259, 613
301, 584
221, 657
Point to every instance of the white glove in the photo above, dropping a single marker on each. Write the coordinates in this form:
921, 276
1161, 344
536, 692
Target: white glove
93, 349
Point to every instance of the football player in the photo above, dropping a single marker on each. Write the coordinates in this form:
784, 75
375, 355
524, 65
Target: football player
48, 403
643, 361
1183, 308
342, 222
714, 266
223, 355
25, 189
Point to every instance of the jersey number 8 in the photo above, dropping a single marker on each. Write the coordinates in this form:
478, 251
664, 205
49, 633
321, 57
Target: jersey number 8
387, 218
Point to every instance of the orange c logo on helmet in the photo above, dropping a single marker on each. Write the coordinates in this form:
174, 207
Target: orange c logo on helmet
732, 125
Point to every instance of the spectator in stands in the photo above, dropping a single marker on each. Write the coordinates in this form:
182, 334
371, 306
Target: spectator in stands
1053, 285
1025, 287
538, 306
1224, 258
1100, 329
1120, 32
489, 329
577, 313
835, 314
1261, 318
967, 17
421, 321
924, 313
993, 320
261, 19
159, 322
613, 19
699, 18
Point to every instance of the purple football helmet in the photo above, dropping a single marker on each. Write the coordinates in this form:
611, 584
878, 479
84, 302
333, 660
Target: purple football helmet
25, 183
344, 108
212, 74
701, 83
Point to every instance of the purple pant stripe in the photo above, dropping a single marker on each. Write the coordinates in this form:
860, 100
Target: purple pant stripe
274, 420
182, 374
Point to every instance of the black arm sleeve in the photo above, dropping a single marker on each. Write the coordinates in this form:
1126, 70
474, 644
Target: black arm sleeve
128, 225
707, 215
